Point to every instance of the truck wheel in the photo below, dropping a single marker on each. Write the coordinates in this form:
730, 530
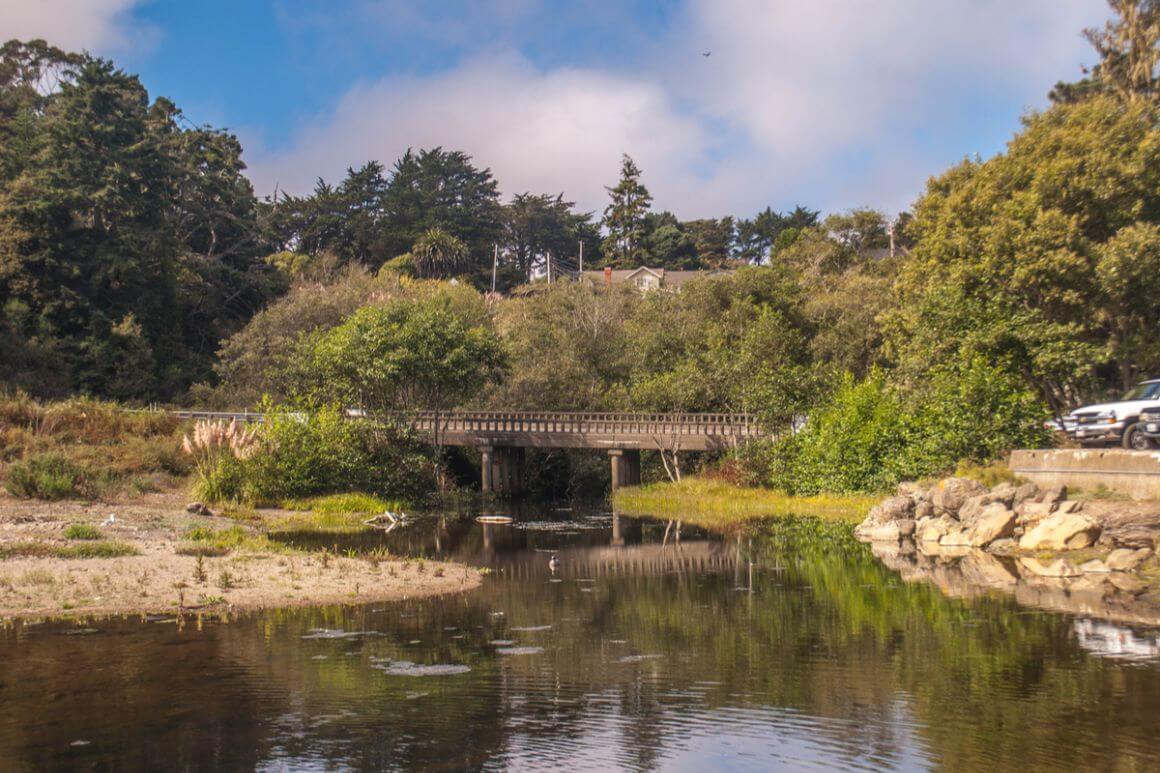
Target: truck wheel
1135, 440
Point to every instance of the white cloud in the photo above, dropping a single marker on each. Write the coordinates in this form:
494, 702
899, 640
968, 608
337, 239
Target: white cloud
101, 26
833, 103
549, 132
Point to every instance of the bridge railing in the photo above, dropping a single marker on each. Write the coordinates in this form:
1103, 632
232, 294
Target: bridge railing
521, 422
556, 422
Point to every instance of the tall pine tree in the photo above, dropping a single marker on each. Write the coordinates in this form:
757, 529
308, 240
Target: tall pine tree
624, 218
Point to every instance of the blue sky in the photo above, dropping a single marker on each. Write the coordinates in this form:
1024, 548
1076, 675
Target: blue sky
832, 103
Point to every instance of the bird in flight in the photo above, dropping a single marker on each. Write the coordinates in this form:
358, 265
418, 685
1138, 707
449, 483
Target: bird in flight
706, 53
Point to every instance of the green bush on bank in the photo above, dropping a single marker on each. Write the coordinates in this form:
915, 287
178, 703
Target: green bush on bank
871, 434
45, 476
316, 452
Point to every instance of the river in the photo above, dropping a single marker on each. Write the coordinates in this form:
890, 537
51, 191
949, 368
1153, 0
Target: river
790, 647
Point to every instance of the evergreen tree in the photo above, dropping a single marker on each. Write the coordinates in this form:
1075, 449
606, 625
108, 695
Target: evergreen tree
624, 218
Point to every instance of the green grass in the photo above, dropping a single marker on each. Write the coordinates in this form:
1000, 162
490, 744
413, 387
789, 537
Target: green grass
203, 549
720, 506
82, 531
218, 542
342, 503
331, 514
101, 549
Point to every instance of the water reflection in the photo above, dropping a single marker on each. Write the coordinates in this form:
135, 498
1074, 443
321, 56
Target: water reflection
792, 647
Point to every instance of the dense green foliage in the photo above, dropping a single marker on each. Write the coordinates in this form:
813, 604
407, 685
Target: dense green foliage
871, 348
129, 245
306, 453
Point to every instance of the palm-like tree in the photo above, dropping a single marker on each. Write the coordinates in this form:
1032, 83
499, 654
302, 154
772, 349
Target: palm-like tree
439, 254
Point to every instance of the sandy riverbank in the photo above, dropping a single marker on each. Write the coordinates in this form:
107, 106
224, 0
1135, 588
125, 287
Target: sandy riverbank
158, 579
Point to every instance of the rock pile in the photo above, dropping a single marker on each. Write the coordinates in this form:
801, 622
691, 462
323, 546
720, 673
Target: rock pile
960, 512
1096, 559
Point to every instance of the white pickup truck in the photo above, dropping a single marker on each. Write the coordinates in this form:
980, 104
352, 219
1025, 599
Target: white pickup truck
1116, 422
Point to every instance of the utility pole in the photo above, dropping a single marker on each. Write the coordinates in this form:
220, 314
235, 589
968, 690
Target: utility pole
581, 256
549, 268
494, 265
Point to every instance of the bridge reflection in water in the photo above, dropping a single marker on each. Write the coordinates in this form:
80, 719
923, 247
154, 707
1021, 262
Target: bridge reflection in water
603, 546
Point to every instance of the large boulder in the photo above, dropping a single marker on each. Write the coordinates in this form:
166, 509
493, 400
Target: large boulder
897, 508
1031, 512
1065, 531
949, 494
882, 521
1004, 492
956, 536
1054, 495
880, 532
932, 529
996, 521
1125, 560
1024, 493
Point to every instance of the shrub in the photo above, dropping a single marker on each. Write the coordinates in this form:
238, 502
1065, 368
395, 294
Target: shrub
82, 531
304, 454
46, 476
849, 444
870, 434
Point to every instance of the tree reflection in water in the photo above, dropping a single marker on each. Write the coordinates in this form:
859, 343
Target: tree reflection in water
792, 644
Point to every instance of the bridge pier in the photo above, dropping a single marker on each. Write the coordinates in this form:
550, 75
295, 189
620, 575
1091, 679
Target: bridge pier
501, 470
625, 467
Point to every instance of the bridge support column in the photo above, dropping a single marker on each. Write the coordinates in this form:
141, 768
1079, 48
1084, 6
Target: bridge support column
501, 470
485, 455
625, 467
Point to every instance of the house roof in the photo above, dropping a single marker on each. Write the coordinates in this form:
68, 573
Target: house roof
667, 277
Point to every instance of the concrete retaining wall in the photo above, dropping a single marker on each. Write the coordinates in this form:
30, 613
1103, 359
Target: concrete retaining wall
1134, 473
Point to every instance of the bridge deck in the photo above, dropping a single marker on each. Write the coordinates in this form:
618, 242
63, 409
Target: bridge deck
628, 431
558, 429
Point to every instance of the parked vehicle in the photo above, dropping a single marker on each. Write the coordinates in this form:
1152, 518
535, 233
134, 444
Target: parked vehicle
1150, 424
1119, 421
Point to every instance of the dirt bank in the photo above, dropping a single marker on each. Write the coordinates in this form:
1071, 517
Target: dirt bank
38, 578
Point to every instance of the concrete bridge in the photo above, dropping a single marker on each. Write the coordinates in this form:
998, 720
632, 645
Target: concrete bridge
502, 436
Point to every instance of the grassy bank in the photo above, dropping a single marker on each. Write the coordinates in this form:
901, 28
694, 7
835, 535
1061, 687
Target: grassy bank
717, 505
86, 449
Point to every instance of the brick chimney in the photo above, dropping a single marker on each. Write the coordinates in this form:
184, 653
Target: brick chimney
608, 276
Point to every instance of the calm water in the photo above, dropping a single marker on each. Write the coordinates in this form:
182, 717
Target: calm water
793, 648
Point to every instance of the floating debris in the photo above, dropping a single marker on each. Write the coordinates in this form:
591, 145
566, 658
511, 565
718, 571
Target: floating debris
413, 695
321, 657
493, 519
638, 658
520, 650
337, 633
80, 742
81, 632
503, 642
532, 628
407, 668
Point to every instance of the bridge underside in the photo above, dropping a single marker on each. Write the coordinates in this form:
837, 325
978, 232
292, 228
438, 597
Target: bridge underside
502, 469
636, 442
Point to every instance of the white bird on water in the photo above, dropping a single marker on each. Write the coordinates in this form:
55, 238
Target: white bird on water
553, 563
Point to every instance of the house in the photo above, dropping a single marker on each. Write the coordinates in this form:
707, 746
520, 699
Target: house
645, 278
